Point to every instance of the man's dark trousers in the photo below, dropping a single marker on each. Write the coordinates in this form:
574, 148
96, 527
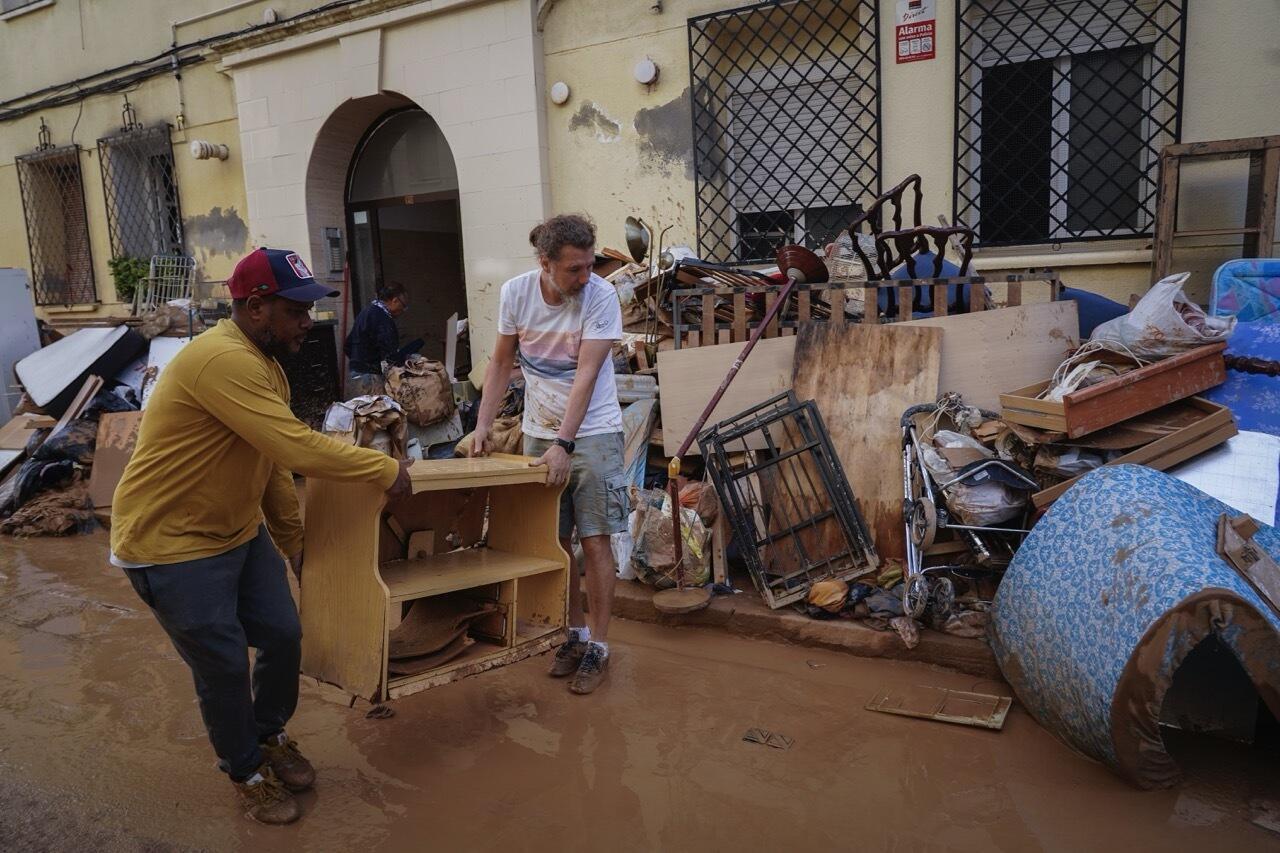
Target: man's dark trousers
214, 609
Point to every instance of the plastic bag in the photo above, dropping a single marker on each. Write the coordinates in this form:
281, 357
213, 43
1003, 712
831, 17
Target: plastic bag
653, 558
423, 389
1165, 323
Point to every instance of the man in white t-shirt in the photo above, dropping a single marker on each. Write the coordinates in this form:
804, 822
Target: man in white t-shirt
562, 320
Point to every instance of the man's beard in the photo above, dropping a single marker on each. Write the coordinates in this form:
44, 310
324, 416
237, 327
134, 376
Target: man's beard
273, 346
571, 298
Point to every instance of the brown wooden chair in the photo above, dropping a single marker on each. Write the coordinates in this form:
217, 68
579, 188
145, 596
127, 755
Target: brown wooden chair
903, 247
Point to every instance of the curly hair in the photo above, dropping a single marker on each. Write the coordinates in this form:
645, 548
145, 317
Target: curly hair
567, 229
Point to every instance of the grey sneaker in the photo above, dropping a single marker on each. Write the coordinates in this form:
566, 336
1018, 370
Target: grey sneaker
591, 671
568, 656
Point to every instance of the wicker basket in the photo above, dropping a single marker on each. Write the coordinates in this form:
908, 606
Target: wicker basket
845, 268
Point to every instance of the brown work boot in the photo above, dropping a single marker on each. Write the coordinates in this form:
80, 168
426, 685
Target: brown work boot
591, 670
568, 656
266, 799
290, 767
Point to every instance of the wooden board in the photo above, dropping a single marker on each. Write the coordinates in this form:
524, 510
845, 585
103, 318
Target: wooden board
1217, 425
990, 352
1121, 397
16, 433
495, 469
117, 433
440, 573
689, 377
863, 377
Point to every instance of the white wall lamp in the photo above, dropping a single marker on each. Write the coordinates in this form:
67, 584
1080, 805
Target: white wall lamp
559, 92
202, 150
646, 72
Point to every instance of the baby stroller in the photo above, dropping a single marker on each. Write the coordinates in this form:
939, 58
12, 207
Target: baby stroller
965, 509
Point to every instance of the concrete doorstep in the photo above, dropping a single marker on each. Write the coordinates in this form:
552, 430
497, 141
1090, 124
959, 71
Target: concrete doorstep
747, 615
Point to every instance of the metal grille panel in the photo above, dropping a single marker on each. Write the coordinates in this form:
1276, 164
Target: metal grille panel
57, 229
786, 123
1062, 109
141, 192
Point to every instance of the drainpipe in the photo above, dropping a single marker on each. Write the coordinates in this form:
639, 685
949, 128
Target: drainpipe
173, 59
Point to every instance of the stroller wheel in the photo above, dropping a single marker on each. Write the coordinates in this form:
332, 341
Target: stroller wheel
915, 596
924, 523
943, 596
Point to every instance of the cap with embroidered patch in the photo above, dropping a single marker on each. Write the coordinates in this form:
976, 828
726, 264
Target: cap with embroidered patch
276, 272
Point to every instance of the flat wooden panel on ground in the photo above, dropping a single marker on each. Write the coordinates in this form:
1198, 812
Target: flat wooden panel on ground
689, 377
987, 353
863, 377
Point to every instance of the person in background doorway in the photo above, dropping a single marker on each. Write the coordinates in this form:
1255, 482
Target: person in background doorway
563, 320
374, 339
207, 506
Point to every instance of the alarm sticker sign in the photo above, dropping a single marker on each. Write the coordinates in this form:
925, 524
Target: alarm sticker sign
915, 28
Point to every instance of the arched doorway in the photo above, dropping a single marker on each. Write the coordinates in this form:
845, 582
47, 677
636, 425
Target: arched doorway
404, 223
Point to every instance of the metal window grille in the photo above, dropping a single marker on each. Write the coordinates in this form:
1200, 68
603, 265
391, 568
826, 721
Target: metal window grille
143, 214
786, 123
1062, 109
52, 190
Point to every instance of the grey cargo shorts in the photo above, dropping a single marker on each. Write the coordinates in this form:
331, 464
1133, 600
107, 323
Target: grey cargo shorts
597, 499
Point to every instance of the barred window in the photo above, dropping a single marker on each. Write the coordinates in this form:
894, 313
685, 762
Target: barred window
143, 213
1063, 107
52, 192
785, 122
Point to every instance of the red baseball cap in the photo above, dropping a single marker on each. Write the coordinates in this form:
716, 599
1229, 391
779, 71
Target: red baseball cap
275, 272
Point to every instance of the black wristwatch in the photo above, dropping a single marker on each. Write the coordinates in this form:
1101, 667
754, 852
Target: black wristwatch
567, 445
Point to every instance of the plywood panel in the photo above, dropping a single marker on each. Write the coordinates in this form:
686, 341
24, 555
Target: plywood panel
988, 353
689, 377
863, 377
344, 602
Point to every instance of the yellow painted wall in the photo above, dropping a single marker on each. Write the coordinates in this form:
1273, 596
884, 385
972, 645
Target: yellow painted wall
617, 148
604, 164
77, 38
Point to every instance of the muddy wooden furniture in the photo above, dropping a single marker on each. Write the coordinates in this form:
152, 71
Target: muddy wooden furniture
367, 559
1260, 199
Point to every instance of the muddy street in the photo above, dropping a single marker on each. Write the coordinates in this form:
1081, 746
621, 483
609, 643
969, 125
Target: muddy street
101, 746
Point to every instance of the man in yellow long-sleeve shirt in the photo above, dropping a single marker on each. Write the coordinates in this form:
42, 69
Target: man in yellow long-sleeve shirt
206, 501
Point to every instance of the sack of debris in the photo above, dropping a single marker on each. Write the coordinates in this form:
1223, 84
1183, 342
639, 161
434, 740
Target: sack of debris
1164, 323
653, 553
423, 389
505, 436
376, 422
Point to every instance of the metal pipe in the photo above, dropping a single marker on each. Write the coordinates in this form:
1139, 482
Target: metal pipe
181, 119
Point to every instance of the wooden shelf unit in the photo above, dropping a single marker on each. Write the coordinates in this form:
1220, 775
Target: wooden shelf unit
359, 577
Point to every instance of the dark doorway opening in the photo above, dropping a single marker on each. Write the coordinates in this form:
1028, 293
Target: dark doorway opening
405, 223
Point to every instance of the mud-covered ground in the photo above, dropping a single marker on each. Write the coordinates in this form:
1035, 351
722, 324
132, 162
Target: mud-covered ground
102, 748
